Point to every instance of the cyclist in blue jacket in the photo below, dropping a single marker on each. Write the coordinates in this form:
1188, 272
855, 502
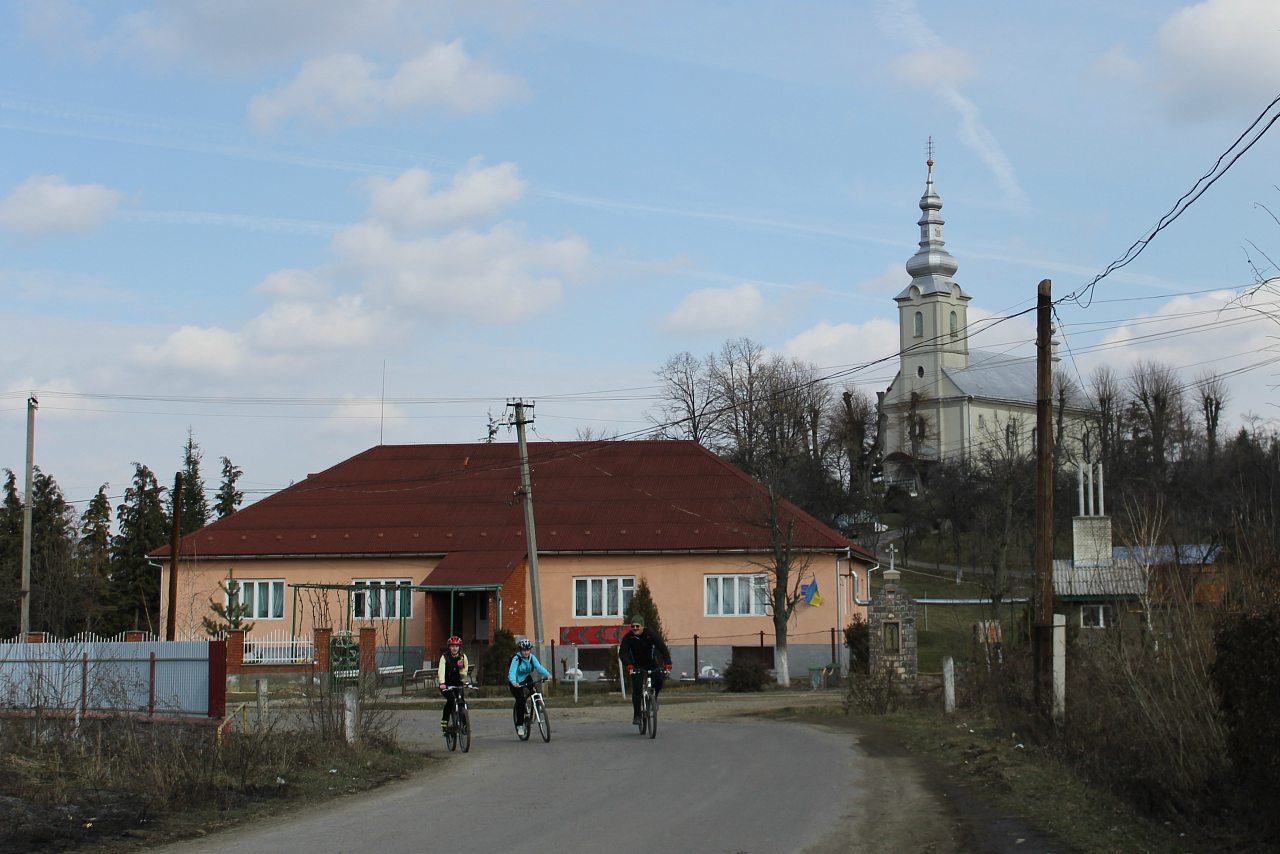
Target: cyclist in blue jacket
520, 676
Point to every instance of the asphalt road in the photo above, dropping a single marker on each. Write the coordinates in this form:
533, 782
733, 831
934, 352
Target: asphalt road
708, 783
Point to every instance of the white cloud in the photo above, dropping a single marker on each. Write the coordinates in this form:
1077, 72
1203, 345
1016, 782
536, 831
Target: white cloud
406, 202
717, 310
892, 281
830, 345
1220, 55
294, 284
345, 89
1117, 65
291, 326
935, 66
46, 205
499, 276
208, 350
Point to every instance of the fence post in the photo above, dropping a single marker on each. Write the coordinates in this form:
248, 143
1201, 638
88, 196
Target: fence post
833, 646
262, 704
84, 684
762, 640
322, 637
151, 685
697, 663
948, 685
217, 679
552, 668
351, 711
369, 652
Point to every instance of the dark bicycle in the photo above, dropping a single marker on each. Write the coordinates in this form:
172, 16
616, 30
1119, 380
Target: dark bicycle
648, 704
535, 709
457, 732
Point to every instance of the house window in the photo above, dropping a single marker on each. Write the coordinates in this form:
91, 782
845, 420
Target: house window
381, 599
955, 326
736, 595
603, 597
919, 330
892, 638
262, 598
1097, 616
982, 422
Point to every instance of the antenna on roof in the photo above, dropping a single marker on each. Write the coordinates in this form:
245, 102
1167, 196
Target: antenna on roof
382, 404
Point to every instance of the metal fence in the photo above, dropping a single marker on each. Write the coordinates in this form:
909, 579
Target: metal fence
83, 676
280, 647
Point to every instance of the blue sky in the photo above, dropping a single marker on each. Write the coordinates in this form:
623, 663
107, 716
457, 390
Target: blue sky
297, 227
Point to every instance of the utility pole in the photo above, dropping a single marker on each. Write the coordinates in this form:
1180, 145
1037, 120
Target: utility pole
24, 621
1044, 501
175, 537
531, 537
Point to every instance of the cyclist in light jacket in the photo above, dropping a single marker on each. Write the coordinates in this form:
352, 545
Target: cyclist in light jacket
451, 672
520, 676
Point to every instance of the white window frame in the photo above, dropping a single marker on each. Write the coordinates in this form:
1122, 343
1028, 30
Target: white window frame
386, 607
602, 595
274, 600
1105, 616
753, 585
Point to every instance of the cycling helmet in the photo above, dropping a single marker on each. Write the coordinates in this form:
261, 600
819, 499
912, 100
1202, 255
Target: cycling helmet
524, 643
453, 641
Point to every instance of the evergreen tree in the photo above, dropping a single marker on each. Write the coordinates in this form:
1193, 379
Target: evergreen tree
93, 555
142, 526
195, 507
58, 598
642, 605
229, 616
10, 554
229, 498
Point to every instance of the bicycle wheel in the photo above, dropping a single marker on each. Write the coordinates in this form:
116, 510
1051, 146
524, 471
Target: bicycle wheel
644, 713
653, 715
540, 712
523, 731
451, 730
464, 729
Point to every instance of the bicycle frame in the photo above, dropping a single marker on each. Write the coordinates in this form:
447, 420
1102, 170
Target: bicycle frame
535, 712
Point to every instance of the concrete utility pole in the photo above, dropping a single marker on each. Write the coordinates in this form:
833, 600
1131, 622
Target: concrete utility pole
175, 537
531, 537
1044, 500
24, 620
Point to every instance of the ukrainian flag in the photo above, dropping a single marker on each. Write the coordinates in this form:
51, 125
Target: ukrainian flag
810, 593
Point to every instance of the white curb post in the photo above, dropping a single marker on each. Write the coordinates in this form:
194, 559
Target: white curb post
351, 710
948, 685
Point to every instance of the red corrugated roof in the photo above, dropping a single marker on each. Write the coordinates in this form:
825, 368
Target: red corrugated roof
475, 568
659, 495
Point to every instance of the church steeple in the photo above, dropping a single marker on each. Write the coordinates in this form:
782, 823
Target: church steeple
932, 266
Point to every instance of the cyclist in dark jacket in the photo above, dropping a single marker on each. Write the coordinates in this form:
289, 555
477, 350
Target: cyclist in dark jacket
641, 650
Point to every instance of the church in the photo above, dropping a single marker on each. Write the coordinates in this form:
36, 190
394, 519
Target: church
948, 402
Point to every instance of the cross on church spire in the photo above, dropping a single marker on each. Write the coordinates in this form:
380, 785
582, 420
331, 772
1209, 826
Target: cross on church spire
930, 160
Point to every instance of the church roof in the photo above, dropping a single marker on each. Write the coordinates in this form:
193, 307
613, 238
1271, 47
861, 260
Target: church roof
996, 376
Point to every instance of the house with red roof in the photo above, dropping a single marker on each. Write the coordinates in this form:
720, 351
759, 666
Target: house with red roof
426, 541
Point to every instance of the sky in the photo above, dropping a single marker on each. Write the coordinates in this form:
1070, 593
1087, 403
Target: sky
297, 228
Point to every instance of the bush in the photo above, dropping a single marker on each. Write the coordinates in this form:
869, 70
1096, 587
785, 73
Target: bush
857, 637
497, 657
872, 693
743, 676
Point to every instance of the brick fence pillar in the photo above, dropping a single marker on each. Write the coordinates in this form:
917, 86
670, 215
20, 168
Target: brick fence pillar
235, 650
321, 637
368, 650
134, 636
37, 637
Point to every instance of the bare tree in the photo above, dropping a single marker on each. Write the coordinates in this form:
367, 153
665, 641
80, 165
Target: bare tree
1105, 394
691, 402
1212, 392
786, 568
1155, 388
737, 374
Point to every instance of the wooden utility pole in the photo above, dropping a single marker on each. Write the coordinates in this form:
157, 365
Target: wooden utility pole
1044, 500
175, 537
530, 536
24, 615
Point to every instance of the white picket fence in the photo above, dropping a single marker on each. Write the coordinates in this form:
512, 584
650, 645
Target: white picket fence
278, 647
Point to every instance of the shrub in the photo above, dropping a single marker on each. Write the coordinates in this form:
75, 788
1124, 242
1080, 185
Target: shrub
743, 676
497, 657
857, 637
872, 693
